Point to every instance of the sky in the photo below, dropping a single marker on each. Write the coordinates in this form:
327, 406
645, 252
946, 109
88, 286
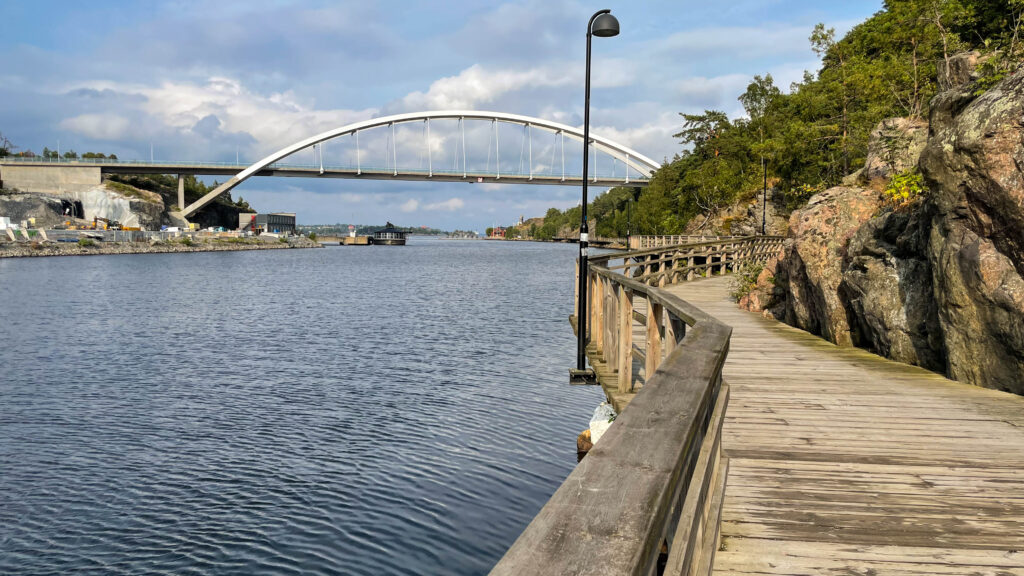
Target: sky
214, 81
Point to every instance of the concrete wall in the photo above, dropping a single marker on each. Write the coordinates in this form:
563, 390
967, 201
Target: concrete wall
50, 179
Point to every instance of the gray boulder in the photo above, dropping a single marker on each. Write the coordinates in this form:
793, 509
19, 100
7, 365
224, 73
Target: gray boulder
973, 166
887, 290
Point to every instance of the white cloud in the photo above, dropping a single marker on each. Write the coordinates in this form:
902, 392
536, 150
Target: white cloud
477, 85
98, 126
272, 121
449, 205
410, 205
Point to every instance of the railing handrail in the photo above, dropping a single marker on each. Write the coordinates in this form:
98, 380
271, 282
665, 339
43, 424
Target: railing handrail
622, 506
641, 241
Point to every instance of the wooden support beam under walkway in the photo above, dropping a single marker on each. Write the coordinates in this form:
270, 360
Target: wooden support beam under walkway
842, 462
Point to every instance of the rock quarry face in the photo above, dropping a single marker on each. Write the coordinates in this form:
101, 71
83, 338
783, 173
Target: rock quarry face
939, 284
108, 203
973, 166
18, 207
146, 210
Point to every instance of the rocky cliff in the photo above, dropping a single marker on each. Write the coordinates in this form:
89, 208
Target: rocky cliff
127, 205
938, 282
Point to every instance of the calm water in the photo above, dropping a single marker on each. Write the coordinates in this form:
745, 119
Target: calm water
358, 410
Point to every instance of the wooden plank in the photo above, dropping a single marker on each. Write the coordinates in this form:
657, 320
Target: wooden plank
612, 513
846, 463
597, 329
611, 325
686, 544
625, 355
652, 353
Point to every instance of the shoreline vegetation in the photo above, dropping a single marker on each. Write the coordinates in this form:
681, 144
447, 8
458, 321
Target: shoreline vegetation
790, 145
36, 249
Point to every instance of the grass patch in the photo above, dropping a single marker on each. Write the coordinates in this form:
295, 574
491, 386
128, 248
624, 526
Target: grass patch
86, 242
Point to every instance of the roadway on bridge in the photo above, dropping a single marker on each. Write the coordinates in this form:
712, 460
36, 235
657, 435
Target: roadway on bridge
842, 462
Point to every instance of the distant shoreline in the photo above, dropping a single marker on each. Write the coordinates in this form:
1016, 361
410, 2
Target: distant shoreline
38, 249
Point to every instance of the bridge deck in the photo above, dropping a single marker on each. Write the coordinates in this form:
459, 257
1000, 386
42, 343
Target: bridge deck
842, 462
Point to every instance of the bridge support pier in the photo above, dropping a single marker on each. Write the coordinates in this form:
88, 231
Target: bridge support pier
181, 192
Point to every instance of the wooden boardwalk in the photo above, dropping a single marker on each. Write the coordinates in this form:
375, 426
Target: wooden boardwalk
842, 462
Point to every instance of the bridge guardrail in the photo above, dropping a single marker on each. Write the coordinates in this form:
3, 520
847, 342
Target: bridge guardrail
604, 179
649, 493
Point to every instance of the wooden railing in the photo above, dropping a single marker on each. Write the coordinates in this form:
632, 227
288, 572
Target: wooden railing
671, 264
647, 498
643, 242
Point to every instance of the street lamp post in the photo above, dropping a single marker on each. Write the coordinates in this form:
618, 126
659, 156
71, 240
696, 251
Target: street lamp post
602, 24
764, 198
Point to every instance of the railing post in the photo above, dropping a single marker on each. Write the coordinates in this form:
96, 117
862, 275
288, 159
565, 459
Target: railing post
610, 324
670, 335
576, 294
653, 350
597, 328
591, 306
625, 340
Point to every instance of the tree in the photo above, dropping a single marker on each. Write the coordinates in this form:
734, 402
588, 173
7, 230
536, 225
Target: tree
6, 147
814, 135
823, 42
758, 100
702, 130
489, 231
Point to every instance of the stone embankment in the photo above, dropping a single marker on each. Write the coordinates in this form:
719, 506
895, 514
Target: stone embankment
938, 282
30, 249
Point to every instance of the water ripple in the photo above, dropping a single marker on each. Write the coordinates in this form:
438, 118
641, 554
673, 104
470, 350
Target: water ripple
336, 411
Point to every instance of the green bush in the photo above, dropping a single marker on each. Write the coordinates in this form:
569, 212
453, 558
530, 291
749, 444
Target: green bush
86, 242
905, 188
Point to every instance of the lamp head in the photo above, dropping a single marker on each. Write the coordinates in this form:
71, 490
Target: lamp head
605, 26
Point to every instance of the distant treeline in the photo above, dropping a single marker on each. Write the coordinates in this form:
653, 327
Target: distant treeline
808, 139
7, 148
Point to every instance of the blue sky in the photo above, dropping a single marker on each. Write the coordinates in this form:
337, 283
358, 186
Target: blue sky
209, 80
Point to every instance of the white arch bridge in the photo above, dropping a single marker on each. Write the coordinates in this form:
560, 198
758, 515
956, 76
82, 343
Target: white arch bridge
445, 146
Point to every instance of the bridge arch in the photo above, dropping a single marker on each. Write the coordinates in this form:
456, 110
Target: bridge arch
631, 158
